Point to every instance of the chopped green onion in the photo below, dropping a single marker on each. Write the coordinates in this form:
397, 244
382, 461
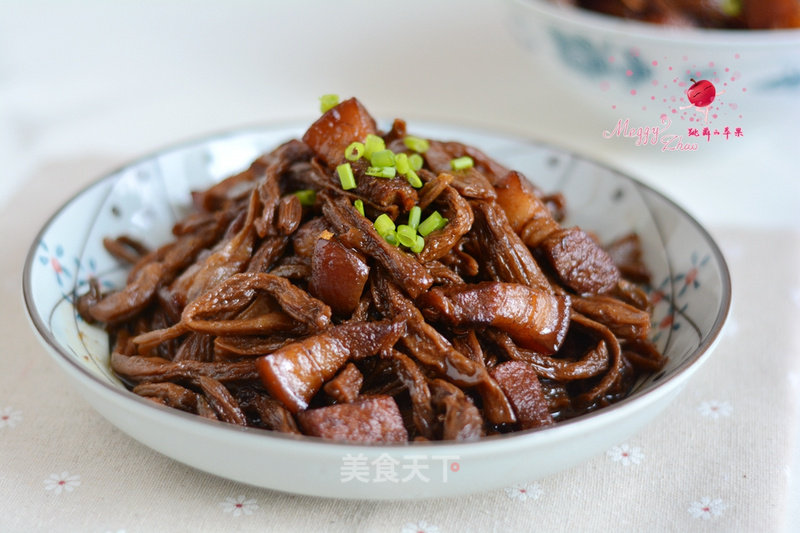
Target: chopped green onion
461, 163
416, 143
359, 205
345, 172
381, 172
415, 160
354, 151
406, 235
383, 225
413, 179
419, 244
432, 223
391, 238
307, 197
382, 158
373, 144
327, 101
414, 216
402, 164
731, 8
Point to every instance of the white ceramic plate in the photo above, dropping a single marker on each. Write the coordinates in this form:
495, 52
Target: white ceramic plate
144, 199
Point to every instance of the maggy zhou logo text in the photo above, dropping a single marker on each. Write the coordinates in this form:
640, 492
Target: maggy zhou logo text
651, 135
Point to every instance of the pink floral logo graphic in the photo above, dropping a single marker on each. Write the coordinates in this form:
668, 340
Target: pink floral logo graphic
702, 94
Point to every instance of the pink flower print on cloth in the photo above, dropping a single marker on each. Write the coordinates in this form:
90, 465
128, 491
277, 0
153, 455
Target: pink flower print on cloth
63, 482
715, 409
420, 527
9, 417
707, 508
625, 454
524, 491
239, 506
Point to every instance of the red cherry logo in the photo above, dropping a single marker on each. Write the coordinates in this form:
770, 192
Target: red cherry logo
702, 93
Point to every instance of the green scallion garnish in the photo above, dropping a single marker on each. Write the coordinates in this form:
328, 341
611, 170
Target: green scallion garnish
307, 197
402, 164
359, 205
382, 158
416, 162
414, 217
419, 244
354, 151
345, 172
327, 101
406, 235
381, 172
373, 144
432, 223
383, 225
461, 163
731, 8
391, 238
416, 143
413, 179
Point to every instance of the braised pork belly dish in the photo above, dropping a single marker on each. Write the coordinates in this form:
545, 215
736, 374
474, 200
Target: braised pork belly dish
377, 286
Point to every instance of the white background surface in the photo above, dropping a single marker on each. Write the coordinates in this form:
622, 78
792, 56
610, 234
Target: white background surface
86, 86
113, 80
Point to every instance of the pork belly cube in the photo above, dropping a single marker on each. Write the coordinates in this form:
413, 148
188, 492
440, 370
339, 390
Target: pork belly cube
371, 419
522, 388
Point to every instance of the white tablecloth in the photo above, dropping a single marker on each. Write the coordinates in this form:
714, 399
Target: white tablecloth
87, 86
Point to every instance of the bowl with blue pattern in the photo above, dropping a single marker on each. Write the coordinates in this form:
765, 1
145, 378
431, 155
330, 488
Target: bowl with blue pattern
690, 292
646, 72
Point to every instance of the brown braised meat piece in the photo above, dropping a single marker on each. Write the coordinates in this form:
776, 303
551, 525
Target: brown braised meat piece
344, 388
534, 319
521, 384
333, 132
460, 419
338, 275
304, 240
626, 253
579, 262
357, 232
371, 419
296, 372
